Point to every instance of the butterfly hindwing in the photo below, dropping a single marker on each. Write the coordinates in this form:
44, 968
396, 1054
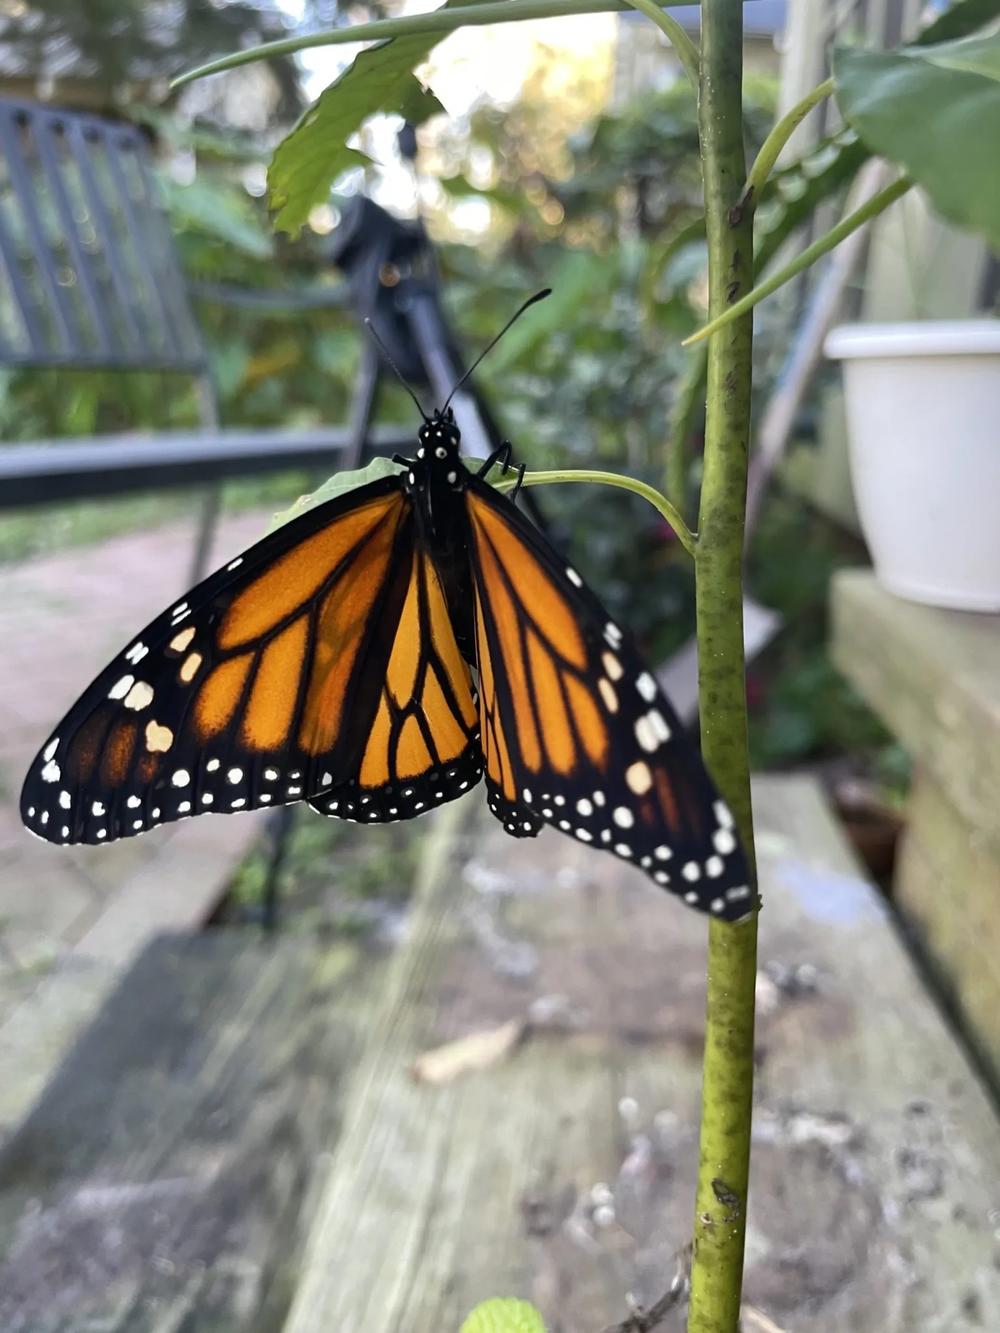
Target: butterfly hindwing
422, 747
576, 732
256, 689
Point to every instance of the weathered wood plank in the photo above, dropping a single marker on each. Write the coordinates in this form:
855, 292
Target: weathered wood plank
934, 678
114, 898
173, 887
565, 1174
175, 890
40, 1024
164, 1179
948, 880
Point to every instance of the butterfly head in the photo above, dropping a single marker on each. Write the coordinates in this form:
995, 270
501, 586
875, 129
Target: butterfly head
439, 438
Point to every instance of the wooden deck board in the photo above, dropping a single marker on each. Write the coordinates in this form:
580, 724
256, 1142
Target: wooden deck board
876, 1149
115, 897
165, 1178
238, 1144
172, 886
934, 678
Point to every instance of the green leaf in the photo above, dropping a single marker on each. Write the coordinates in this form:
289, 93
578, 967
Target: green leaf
959, 20
338, 484
220, 211
578, 277
460, 187
307, 163
970, 55
504, 1316
941, 124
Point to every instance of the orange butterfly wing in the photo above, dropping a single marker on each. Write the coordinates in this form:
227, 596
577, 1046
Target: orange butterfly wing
575, 730
258, 688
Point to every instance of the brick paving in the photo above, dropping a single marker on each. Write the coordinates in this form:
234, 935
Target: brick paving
62, 617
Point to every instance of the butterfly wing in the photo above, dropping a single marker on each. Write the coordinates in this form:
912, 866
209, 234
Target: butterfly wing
575, 731
423, 745
258, 688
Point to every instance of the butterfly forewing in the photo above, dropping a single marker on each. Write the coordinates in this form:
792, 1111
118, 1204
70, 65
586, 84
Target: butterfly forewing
576, 732
256, 689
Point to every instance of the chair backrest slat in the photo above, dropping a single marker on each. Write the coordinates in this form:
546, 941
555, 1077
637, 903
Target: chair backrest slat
25, 307
149, 305
68, 226
175, 292
119, 300
91, 274
32, 231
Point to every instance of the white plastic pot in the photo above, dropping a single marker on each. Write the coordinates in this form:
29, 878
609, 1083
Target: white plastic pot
923, 415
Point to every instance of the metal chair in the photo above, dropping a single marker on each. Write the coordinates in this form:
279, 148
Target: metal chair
89, 279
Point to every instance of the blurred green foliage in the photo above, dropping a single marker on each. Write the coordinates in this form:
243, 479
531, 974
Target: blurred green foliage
614, 231
110, 43
375, 867
270, 366
586, 380
582, 382
800, 707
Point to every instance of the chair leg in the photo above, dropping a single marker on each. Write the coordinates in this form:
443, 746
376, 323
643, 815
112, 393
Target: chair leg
208, 521
209, 416
281, 832
363, 401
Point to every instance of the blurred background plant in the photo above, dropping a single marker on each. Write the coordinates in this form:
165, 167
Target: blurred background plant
596, 197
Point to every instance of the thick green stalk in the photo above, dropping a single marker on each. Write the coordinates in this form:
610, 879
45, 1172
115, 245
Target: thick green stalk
727, 1082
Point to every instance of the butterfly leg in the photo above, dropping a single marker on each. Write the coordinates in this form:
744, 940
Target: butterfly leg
500, 455
518, 483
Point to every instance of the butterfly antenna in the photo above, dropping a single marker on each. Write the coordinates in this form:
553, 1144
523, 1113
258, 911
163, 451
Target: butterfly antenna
538, 296
395, 369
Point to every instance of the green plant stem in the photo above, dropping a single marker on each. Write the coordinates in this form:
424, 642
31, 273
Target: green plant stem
685, 536
727, 1078
771, 148
438, 20
876, 205
685, 407
687, 52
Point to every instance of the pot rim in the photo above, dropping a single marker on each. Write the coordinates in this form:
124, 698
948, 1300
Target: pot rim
931, 337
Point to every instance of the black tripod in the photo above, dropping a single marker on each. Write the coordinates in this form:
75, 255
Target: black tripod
392, 274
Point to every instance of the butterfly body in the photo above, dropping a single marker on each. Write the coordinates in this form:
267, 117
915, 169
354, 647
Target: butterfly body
436, 480
376, 657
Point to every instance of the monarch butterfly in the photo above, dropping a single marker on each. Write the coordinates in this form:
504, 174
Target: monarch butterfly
374, 657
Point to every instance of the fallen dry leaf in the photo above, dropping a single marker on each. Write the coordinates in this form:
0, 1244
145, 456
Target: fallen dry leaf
756, 1321
478, 1050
